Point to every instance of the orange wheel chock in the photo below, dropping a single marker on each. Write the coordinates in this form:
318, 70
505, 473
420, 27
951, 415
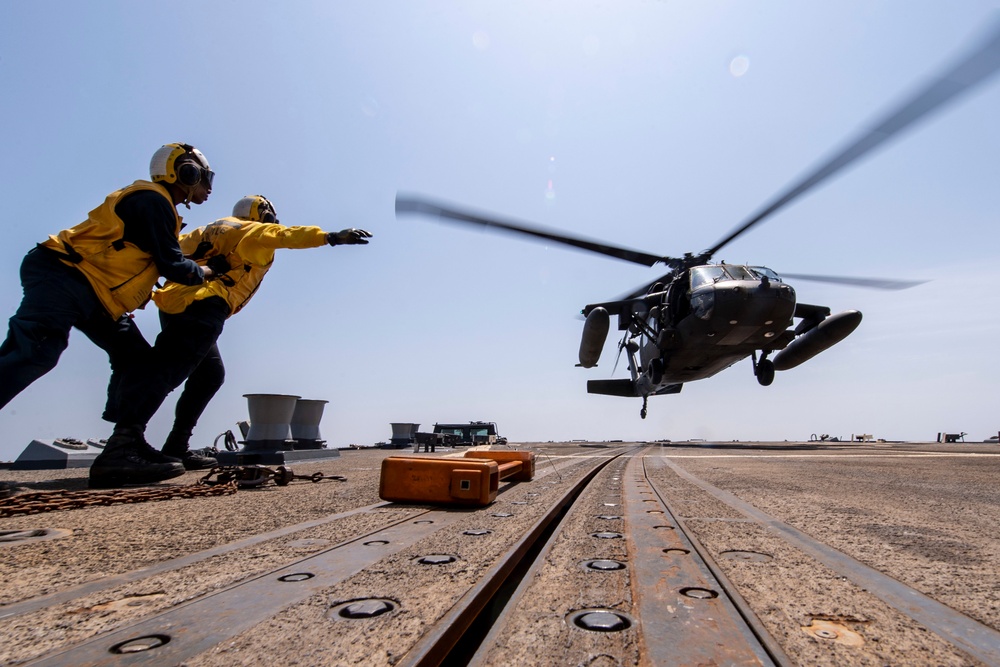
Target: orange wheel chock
472, 480
522, 473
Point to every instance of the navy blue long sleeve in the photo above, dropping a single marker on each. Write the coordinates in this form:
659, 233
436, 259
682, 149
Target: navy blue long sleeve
150, 225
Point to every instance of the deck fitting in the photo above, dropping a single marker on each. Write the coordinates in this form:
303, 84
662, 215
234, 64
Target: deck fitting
601, 620
359, 609
436, 559
603, 565
605, 535
296, 576
699, 593
140, 644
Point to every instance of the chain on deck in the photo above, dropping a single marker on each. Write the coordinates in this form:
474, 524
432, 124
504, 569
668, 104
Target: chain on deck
52, 501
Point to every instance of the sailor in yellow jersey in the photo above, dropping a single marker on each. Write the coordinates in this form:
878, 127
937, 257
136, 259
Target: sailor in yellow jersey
92, 275
241, 248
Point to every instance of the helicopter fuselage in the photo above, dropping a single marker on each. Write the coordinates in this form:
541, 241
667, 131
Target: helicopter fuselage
706, 319
704, 329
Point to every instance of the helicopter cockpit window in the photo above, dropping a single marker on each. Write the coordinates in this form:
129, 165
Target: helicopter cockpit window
739, 272
706, 275
763, 271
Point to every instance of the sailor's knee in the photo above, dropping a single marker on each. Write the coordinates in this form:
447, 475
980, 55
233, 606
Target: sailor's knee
37, 339
214, 372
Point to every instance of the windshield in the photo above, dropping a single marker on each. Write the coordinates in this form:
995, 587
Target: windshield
706, 275
739, 272
763, 271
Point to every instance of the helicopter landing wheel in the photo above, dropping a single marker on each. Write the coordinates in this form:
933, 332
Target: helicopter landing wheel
642, 412
656, 370
765, 372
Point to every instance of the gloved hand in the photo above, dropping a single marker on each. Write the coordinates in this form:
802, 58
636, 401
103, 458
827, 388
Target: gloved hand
201, 250
348, 237
218, 264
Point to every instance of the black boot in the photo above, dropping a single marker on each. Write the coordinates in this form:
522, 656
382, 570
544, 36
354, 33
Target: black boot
128, 459
199, 459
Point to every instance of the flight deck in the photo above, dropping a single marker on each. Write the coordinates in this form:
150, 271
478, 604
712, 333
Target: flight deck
612, 553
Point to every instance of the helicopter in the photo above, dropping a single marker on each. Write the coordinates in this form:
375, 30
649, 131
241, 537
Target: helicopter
701, 317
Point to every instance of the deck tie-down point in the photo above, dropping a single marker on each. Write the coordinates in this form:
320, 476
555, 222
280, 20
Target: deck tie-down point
361, 609
601, 620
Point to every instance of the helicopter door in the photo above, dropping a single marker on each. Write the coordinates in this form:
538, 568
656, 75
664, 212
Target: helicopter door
677, 300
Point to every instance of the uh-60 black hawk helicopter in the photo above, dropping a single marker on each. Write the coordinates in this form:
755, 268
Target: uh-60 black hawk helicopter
702, 317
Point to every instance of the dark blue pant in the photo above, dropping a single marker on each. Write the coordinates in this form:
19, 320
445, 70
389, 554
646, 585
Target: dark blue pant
199, 389
185, 350
57, 298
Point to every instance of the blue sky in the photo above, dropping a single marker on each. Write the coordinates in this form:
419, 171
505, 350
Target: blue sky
654, 125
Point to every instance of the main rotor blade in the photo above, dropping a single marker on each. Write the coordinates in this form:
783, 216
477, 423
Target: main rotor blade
410, 204
976, 67
875, 283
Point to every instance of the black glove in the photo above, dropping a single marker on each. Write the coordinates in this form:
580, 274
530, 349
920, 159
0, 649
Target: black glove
348, 237
200, 251
218, 264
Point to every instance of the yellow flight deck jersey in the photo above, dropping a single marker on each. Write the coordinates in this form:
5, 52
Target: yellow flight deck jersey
121, 274
247, 246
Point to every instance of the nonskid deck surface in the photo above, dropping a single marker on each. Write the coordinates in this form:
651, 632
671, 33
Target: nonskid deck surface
615, 553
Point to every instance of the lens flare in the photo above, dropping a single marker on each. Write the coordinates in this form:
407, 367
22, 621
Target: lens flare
739, 65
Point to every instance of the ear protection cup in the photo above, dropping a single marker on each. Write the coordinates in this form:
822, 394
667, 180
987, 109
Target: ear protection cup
180, 163
256, 208
188, 174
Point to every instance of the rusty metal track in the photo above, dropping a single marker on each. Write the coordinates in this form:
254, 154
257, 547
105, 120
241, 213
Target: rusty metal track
682, 613
976, 639
687, 615
753, 624
435, 645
